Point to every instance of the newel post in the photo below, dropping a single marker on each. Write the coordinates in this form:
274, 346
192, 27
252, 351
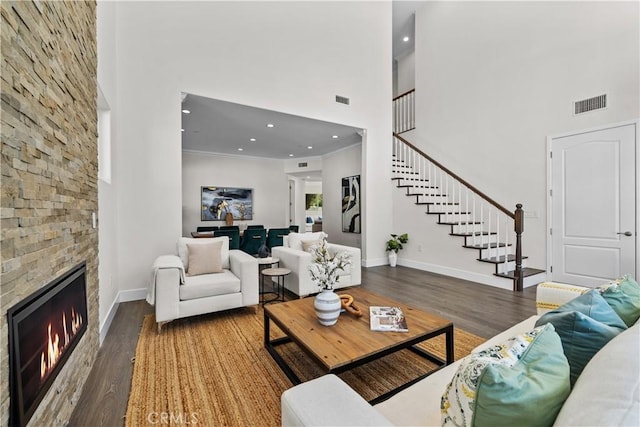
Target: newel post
519, 228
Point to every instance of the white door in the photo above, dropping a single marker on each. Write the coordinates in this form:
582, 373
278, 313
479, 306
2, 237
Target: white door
593, 209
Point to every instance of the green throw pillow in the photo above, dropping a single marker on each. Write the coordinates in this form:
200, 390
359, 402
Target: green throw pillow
522, 381
530, 393
585, 324
624, 297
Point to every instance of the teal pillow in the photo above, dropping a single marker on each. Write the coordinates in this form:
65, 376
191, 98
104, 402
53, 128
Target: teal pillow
529, 393
624, 297
585, 324
516, 379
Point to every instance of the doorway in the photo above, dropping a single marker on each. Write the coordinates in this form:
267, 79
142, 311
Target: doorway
593, 211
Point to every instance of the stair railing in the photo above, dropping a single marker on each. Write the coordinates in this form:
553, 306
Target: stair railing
404, 112
483, 222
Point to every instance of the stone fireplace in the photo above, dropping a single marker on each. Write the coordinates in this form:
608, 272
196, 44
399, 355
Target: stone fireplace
44, 329
49, 191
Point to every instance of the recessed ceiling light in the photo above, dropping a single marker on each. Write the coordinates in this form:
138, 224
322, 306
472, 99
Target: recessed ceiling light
308, 177
405, 39
310, 147
335, 137
290, 155
252, 139
181, 130
240, 149
186, 111
270, 125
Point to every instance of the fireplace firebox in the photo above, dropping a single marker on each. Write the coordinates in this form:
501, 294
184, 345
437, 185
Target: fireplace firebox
44, 328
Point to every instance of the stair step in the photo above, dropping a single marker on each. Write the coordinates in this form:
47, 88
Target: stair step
409, 179
500, 259
439, 204
406, 172
416, 186
487, 246
460, 223
477, 233
447, 213
525, 271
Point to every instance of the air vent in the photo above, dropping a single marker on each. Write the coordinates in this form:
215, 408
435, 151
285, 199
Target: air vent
342, 99
302, 165
595, 103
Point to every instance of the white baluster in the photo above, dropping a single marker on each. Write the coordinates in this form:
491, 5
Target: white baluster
459, 206
466, 205
506, 243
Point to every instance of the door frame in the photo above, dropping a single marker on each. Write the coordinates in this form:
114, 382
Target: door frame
550, 138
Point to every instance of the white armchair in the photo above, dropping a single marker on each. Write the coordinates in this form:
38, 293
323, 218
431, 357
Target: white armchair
293, 257
176, 294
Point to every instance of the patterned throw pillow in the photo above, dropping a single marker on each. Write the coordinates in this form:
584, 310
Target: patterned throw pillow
503, 384
623, 295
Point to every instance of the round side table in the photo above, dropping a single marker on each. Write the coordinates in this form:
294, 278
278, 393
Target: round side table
279, 274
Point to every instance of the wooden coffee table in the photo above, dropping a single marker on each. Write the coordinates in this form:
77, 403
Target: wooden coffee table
350, 342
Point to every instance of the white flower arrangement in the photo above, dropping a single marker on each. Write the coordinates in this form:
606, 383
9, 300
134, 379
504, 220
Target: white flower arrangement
324, 265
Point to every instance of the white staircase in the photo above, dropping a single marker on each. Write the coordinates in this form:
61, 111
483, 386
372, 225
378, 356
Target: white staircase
483, 225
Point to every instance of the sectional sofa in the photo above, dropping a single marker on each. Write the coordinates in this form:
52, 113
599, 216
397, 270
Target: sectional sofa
547, 391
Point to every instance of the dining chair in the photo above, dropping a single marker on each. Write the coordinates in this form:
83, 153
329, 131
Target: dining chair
234, 237
275, 236
252, 239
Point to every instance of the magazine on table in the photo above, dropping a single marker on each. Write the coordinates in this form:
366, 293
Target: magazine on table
387, 319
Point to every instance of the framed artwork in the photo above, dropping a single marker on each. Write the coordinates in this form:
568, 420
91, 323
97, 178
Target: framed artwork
217, 202
351, 204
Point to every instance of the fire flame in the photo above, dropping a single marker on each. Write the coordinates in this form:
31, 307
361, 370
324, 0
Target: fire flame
55, 348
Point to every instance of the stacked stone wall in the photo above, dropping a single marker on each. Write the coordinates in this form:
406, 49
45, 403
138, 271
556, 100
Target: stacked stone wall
48, 173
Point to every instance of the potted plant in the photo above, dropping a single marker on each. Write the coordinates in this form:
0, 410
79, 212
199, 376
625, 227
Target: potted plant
394, 245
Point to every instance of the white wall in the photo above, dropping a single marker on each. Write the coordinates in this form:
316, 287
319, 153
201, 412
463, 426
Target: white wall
107, 199
292, 57
338, 165
265, 176
406, 73
494, 79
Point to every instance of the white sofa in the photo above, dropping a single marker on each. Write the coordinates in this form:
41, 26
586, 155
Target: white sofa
607, 393
176, 294
293, 257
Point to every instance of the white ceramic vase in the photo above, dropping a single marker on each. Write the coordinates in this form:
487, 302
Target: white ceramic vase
393, 258
327, 305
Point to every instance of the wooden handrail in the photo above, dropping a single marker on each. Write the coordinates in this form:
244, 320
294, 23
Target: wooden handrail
404, 94
462, 181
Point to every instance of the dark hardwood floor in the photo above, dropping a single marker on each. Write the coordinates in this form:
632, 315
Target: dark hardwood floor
481, 310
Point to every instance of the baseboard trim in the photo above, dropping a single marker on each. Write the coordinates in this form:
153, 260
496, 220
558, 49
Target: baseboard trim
104, 328
375, 262
122, 296
491, 280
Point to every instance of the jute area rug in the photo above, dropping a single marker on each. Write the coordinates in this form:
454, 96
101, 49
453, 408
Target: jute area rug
213, 370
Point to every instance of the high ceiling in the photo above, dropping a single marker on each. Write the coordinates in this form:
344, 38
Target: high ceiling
226, 128
404, 26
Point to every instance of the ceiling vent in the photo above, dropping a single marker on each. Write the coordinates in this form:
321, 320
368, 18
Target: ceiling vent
591, 104
342, 100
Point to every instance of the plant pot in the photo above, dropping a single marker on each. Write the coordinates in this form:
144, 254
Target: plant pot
393, 258
327, 305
